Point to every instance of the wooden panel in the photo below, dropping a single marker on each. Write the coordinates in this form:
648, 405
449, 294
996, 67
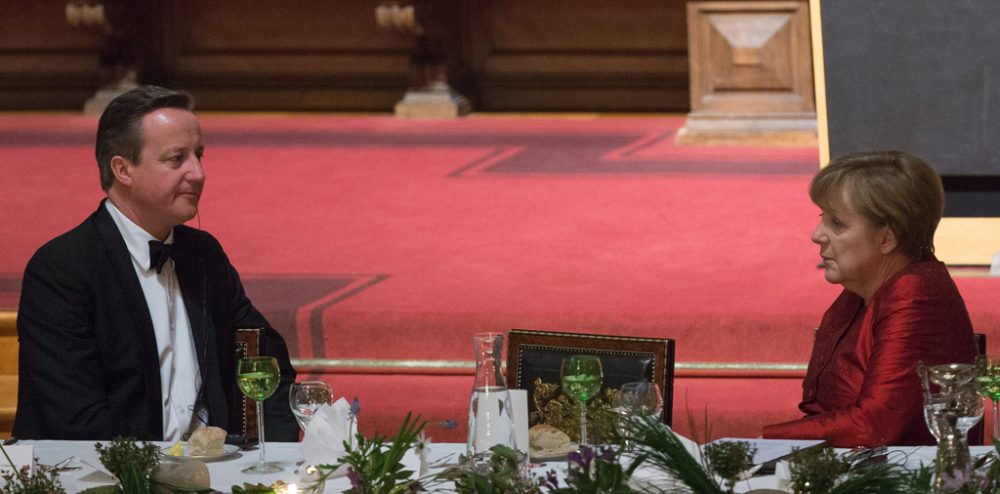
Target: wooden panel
8, 371
521, 55
751, 74
44, 62
750, 57
273, 55
625, 55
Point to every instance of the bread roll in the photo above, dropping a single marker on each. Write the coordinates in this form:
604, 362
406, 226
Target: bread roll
206, 441
544, 437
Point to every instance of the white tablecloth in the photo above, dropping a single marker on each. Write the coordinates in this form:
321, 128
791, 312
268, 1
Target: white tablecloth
225, 474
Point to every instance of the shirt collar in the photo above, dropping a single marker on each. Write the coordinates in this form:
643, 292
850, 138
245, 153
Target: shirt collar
136, 239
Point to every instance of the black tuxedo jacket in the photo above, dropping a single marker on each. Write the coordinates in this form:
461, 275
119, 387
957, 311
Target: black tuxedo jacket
88, 361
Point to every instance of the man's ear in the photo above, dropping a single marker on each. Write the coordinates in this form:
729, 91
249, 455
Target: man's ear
889, 242
120, 169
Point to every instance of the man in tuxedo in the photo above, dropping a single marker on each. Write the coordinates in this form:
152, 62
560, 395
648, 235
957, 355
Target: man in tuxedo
127, 322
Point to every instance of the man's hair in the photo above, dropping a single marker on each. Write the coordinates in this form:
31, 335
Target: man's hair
119, 132
889, 188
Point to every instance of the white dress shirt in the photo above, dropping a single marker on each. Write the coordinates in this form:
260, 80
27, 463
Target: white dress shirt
180, 378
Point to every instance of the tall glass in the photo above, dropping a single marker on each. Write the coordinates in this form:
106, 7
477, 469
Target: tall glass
989, 386
306, 397
581, 380
258, 378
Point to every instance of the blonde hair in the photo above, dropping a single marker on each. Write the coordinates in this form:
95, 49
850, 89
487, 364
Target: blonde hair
890, 188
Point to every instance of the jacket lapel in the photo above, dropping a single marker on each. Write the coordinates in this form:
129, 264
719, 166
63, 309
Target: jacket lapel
124, 274
193, 279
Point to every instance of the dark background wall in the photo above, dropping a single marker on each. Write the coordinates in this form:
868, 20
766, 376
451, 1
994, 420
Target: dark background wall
926, 82
509, 55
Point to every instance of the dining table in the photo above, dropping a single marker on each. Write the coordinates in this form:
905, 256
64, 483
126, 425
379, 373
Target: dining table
84, 470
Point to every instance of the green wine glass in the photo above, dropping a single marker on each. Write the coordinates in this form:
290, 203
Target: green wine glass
989, 386
258, 378
581, 380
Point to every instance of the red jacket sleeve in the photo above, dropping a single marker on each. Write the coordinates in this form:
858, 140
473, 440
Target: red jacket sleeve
910, 320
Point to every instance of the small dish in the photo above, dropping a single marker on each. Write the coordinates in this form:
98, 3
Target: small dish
228, 451
552, 454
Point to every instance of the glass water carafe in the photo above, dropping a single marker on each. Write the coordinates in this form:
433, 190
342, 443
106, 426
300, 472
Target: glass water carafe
491, 419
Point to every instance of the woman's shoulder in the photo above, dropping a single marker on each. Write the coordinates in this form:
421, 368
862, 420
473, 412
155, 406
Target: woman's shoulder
919, 278
924, 291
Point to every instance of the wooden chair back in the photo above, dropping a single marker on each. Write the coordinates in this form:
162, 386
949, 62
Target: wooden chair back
8, 371
247, 345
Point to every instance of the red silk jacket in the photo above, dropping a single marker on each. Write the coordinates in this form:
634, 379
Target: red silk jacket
862, 387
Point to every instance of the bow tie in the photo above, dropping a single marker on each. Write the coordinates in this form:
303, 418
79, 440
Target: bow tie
159, 253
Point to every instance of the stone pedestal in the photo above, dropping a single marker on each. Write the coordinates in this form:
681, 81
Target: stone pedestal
751, 74
96, 104
436, 102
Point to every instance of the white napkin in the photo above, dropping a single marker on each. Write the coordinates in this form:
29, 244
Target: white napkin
647, 476
96, 474
323, 442
692, 447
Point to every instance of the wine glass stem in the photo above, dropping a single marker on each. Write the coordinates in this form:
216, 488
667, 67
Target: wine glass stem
260, 430
996, 420
583, 423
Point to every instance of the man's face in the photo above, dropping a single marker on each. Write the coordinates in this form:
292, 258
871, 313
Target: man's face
166, 184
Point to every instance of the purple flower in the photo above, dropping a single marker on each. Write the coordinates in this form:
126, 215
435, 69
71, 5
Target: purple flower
449, 424
581, 459
551, 480
355, 407
955, 479
356, 483
607, 454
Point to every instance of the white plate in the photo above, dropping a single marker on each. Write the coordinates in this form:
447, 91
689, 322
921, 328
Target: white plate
228, 451
552, 454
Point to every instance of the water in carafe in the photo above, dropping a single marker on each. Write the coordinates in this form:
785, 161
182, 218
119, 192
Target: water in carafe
491, 420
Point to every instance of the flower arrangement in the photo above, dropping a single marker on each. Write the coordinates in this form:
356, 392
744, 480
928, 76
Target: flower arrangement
375, 469
42, 481
375, 466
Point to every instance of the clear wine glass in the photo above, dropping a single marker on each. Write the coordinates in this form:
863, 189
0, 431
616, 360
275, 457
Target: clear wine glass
935, 408
581, 380
642, 397
306, 397
636, 398
258, 378
970, 407
965, 407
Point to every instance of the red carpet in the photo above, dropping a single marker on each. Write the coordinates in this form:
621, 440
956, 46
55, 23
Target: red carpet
380, 239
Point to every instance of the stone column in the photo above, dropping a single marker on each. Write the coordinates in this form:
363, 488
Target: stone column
117, 65
429, 21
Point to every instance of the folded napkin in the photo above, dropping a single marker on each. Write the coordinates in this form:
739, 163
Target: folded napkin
323, 442
93, 473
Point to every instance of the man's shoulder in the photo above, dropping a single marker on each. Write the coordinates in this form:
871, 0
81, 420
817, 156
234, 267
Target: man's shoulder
184, 234
81, 241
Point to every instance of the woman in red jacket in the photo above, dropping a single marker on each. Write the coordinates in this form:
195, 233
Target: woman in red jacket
899, 306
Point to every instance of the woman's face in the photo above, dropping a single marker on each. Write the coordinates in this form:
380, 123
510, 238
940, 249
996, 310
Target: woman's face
852, 247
